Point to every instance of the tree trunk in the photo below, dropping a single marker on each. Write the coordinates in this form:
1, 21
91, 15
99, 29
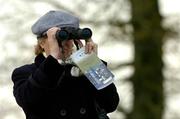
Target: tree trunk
148, 78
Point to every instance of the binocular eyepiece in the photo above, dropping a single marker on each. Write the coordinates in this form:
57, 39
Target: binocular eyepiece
68, 33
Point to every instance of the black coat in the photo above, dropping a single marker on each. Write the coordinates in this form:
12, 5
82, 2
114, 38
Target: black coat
45, 92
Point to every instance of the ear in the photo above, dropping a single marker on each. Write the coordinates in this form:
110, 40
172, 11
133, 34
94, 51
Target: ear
42, 43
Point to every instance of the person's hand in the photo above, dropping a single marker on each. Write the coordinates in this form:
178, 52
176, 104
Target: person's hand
54, 49
90, 46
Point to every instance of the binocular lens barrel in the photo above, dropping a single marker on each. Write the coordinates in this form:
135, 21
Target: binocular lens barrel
72, 33
86, 33
62, 35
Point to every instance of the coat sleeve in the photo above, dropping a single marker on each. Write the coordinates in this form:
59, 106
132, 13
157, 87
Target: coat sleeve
33, 84
108, 98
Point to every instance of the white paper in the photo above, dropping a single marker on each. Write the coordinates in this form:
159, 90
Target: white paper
93, 68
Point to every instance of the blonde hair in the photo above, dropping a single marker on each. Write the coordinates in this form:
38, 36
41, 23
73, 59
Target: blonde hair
38, 49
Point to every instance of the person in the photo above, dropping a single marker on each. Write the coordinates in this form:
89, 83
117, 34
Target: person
48, 88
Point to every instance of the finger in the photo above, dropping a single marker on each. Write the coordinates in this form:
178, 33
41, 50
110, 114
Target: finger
87, 47
51, 33
95, 48
89, 40
91, 47
80, 44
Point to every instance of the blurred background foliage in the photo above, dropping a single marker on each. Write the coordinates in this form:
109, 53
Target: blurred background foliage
138, 40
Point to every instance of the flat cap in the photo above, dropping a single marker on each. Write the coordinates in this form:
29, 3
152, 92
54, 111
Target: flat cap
54, 19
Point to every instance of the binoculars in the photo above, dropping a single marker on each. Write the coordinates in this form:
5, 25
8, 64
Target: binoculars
69, 33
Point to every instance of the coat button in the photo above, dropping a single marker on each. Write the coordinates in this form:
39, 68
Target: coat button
82, 110
63, 112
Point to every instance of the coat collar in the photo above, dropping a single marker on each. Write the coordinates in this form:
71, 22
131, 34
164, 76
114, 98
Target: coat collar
75, 71
39, 59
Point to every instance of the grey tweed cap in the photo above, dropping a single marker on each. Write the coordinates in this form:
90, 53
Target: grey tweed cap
54, 19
